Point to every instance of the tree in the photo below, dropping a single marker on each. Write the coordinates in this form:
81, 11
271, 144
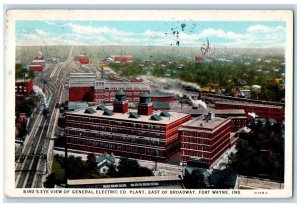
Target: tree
195, 180
131, 168
263, 148
50, 181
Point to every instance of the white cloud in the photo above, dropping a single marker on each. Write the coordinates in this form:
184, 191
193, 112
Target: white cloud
222, 34
280, 28
258, 28
41, 32
90, 30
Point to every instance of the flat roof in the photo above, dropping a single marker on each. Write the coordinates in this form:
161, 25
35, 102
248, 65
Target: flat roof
123, 180
82, 75
22, 80
248, 104
201, 122
38, 61
143, 118
228, 111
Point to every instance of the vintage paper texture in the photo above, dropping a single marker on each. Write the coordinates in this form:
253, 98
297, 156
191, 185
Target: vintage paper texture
136, 15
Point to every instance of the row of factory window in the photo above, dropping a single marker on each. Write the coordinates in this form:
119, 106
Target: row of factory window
222, 129
195, 134
220, 149
117, 138
195, 147
117, 147
225, 140
195, 153
113, 123
195, 140
100, 130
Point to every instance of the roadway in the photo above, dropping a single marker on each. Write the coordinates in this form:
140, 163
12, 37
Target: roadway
34, 156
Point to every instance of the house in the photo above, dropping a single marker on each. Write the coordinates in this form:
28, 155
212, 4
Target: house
104, 161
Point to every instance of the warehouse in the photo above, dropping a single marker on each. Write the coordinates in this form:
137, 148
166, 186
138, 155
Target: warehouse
142, 133
262, 110
86, 87
204, 139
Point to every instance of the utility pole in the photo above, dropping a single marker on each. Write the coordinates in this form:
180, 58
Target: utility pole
66, 161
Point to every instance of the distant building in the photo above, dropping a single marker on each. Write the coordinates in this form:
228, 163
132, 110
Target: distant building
204, 140
37, 64
245, 93
199, 58
23, 87
122, 58
140, 134
238, 117
161, 101
20, 124
86, 87
82, 59
262, 110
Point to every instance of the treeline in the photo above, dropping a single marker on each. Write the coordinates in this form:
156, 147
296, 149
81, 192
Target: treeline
260, 153
79, 169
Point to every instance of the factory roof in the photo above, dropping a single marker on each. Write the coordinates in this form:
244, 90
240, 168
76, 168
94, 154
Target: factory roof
202, 122
83, 75
38, 61
156, 117
22, 80
155, 94
74, 105
229, 111
161, 105
248, 104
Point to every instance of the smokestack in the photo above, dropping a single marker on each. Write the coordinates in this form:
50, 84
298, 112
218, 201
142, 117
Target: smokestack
120, 103
145, 106
199, 95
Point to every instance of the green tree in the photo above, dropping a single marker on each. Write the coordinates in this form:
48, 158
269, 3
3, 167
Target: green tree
195, 180
131, 168
50, 181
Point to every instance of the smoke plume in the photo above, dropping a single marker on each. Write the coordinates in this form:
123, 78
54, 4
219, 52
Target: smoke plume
39, 91
197, 103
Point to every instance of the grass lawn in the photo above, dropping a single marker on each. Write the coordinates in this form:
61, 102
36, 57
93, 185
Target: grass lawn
58, 170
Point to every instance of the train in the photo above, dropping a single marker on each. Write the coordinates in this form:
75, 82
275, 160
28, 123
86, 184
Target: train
46, 106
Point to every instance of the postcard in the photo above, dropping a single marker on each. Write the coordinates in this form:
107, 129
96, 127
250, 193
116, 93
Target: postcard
149, 104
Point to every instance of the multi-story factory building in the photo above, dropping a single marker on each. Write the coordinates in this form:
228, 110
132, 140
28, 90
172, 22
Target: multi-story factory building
23, 87
142, 134
204, 139
86, 87
262, 110
238, 117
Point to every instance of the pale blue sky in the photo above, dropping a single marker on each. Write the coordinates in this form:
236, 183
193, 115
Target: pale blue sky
239, 34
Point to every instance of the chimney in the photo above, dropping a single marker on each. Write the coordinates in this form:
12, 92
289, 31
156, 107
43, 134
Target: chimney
199, 95
209, 116
145, 106
120, 103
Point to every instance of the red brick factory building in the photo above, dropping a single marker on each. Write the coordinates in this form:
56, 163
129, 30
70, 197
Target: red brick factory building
262, 110
23, 87
204, 140
142, 133
82, 59
86, 87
